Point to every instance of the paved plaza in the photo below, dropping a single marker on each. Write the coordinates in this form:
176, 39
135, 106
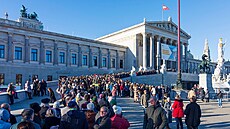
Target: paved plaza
212, 116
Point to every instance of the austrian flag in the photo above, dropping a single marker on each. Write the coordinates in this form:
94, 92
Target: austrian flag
165, 7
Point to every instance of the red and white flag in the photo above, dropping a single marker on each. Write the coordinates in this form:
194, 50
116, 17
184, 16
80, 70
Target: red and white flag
165, 7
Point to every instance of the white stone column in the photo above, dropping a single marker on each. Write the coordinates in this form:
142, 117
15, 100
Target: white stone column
100, 58
158, 53
79, 56
42, 53
10, 51
117, 60
55, 61
137, 52
90, 57
68, 55
27, 50
185, 56
144, 51
109, 60
152, 52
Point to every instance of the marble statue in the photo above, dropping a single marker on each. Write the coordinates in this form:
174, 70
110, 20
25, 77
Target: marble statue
219, 72
163, 68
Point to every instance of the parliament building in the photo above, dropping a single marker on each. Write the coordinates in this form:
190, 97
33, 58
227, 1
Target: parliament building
28, 52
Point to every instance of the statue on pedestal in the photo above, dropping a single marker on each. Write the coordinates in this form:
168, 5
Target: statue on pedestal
219, 73
204, 66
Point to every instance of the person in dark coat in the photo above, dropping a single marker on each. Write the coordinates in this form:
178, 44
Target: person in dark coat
155, 116
51, 119
52, 95
12, 117
103, 122
219, 98
90, 115
37, 117
74, 118
11, 91
44, 107
193, 114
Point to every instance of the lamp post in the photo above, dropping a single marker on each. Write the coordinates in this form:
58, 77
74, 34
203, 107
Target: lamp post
179, 84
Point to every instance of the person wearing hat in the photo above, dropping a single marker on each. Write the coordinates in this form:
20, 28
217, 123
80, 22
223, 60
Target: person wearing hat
118, 121
12, 117
44, 107
74, 118
37, 117
90, 115
4, 119
27, 115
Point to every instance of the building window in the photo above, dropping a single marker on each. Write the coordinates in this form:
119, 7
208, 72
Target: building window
48, 56
2, 51
34, 54
74, 59
49, 78
19, 79
121, 64
113, 63
94, 60
104, 62
2, 79
84, 60
18, 53
62, 57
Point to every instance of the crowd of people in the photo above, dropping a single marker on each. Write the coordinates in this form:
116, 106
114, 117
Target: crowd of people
89, 102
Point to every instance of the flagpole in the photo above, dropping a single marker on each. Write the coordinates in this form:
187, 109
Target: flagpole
179, 84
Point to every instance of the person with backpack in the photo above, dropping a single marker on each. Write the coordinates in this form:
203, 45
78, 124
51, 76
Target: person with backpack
74, 118
155, 116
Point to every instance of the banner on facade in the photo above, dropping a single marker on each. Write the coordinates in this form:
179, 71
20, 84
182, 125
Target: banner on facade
168, 52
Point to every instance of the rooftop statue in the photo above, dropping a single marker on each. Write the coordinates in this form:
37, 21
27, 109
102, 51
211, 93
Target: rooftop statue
204, 66
23, 11
33, 16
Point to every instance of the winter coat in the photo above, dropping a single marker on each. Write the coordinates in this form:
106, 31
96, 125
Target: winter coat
51, 121
4, 125
178, 109
119, 122
73, 119
155, 117
193, 114
90, 116
103, 123
144, 100
167, 107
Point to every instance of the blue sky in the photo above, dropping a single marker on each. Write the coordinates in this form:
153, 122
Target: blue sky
94, 18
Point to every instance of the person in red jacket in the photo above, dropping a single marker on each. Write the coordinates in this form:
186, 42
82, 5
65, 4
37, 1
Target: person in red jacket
178, 112
118, 121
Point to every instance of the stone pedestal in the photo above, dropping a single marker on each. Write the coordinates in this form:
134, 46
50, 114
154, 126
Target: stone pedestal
205, 81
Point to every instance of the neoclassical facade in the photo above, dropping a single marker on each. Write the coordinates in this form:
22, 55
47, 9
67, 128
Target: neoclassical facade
29, 52
145, 41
